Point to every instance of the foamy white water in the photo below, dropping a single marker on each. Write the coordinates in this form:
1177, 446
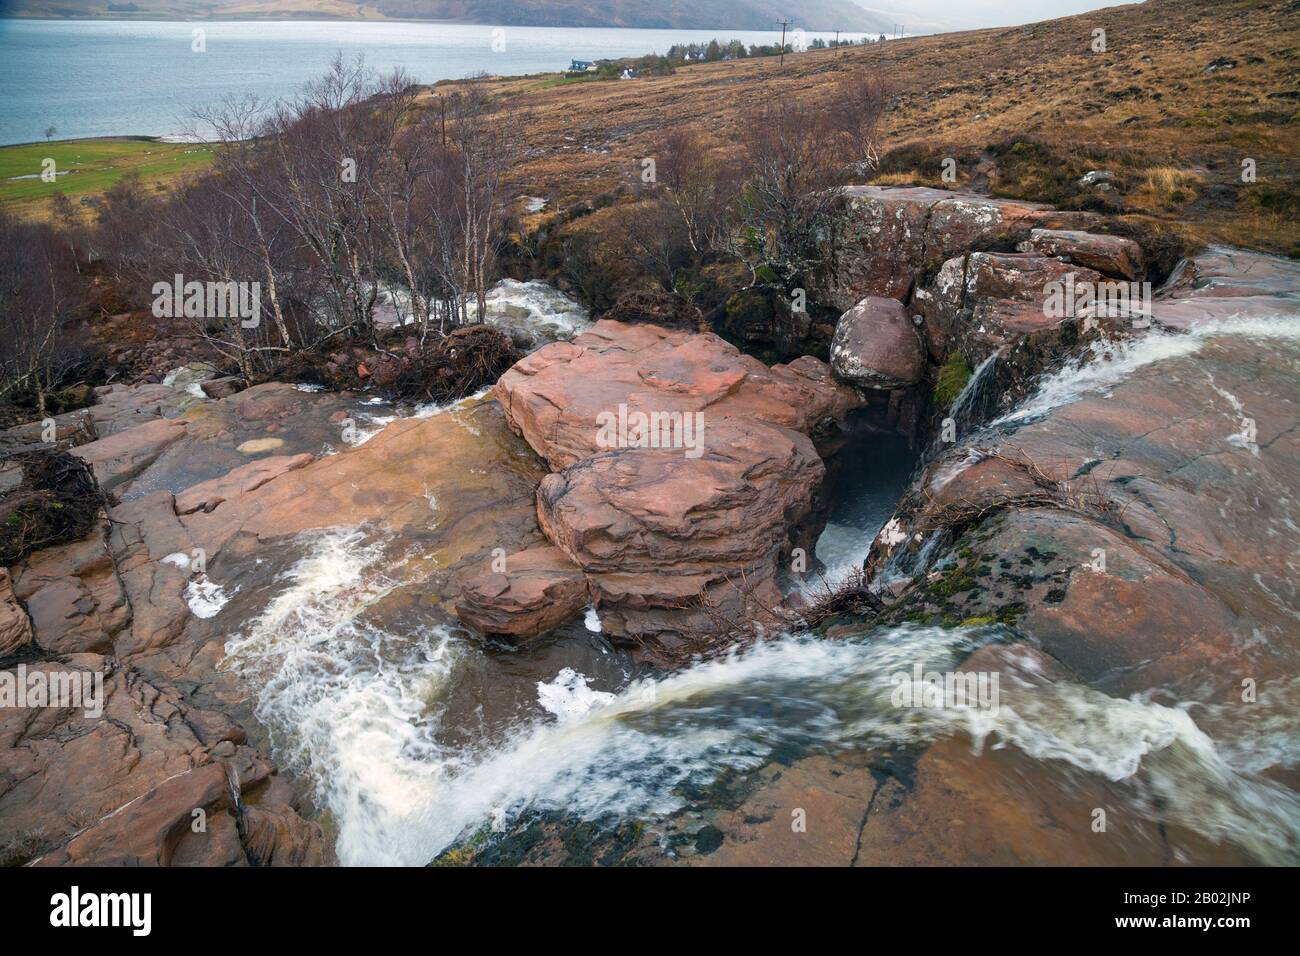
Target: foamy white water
350, 707
536, 307
205, 597
1109, 364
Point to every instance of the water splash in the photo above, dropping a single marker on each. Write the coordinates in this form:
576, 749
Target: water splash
1108, 364
350, 705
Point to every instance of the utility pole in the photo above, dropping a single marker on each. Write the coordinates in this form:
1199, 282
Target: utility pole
784, 24
837, 37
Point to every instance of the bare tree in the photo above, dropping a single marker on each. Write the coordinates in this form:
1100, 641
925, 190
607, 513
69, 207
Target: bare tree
37, 302
798, 153
323, 199
483, 149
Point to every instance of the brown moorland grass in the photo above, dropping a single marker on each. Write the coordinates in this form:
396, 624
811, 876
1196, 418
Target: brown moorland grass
1185, 92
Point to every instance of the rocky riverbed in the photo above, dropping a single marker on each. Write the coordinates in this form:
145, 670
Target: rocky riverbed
497, 631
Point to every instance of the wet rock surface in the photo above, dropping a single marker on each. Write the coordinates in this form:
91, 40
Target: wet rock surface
121, 787
1126, 530
1125, 535
119, 783
678, 521
534, 591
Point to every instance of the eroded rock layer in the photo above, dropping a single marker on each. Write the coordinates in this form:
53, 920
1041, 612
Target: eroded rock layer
684, 470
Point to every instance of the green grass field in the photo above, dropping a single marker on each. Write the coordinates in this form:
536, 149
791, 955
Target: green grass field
88, 167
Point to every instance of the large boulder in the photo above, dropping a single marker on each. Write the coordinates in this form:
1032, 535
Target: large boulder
535, 591
876, 346
674, 536
891, 239
657, 531
556, 397
980, 302
1111, 255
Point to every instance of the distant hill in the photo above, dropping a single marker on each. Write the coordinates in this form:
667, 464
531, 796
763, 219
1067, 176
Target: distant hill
667, 14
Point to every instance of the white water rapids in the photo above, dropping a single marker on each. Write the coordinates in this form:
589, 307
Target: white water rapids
358, 710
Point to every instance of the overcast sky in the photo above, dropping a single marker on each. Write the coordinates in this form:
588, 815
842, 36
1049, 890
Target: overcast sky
980, 13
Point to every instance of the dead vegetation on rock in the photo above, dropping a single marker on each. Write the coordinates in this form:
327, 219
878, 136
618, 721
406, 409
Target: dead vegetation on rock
56, 501
459, 364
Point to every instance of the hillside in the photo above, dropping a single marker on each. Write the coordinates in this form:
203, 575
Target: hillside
1173, 108
674, 14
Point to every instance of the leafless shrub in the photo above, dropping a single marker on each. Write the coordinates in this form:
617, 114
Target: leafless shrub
23, 847
38, 301
848, 596
767, 202
798, 153
326, 200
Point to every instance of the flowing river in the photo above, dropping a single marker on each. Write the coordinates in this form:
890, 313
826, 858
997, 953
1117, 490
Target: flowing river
412, 736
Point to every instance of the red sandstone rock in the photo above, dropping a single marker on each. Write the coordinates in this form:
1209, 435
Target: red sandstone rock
73, 595
539, 589
1111, 255
656, 530
120, 787
555, 396
15, 628
207, 495
123, 455
662, 531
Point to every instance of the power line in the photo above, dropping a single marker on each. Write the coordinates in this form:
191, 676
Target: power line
784, 24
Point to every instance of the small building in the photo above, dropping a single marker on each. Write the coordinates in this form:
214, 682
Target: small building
582, 66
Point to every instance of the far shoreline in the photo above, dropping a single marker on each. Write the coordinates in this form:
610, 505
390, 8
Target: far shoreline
854, 37
321, 18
